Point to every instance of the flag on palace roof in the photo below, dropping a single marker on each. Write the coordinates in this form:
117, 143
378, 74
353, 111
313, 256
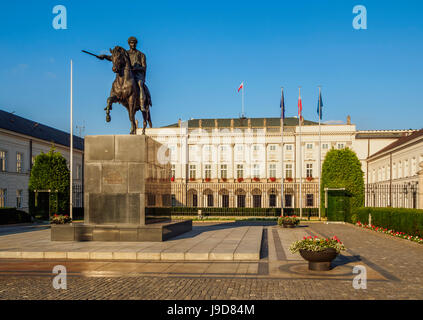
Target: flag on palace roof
300, 107
282, 106
241, 86
320, 106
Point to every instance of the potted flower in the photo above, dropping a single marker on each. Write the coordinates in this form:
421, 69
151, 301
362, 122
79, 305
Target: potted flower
224, 179
60, 219
256, 179
289, 179
309, 179
273, 179
288, 221
172, 179
318, 252
191, 179
240, 179
207, 179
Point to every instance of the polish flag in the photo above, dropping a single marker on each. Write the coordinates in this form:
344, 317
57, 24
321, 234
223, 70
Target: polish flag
300, 107
241, 86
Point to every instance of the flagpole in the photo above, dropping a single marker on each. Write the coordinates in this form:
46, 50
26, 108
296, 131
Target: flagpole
243, 88
320, 155
301, 160
282, 171
71, 143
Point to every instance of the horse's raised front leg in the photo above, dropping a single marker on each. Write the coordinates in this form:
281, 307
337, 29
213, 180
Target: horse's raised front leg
110, 101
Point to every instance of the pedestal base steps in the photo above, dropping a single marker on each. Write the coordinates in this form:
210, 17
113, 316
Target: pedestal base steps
120, 233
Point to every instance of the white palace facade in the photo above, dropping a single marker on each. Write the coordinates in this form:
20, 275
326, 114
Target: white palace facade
237, 162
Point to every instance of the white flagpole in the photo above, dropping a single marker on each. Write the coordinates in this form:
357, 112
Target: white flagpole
71, 144
320, 156
282, 171
243, 88
301, 158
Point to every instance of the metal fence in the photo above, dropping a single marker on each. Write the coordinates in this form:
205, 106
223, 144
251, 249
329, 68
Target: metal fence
78, 196
403, 195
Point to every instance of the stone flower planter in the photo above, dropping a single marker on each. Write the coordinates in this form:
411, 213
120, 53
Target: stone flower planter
288, 224
319, 260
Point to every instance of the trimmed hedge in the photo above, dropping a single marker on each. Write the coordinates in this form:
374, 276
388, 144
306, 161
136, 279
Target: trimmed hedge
11, 216
342, 169
409, 221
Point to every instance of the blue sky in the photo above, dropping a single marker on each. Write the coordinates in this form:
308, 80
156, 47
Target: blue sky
198, 52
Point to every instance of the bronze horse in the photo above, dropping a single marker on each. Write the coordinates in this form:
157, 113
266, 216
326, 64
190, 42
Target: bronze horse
125, 90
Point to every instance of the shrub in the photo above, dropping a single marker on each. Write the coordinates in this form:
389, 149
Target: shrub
409, 221
288, 220
317, 244
11, 216
60, 219
342, 169
49, 172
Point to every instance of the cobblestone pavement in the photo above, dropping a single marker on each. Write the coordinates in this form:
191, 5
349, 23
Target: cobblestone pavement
397, 261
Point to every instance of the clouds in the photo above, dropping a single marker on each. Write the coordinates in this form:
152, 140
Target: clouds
20, 69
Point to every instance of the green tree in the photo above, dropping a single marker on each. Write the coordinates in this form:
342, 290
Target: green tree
342, 169
50, 172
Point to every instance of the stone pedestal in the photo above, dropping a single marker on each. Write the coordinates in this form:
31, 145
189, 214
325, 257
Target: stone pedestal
127, 192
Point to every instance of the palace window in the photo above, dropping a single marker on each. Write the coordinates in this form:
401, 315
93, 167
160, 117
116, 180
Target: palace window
173, 153
309, 146
223, 153
2, 160
240, 201
272, 147
257, 201
288, 201
272, 170
256, 171
239, 171
225, 200
309, 170
310, 200
272, 200
207, 171
3, 197
288, 147
19, 162
340, 145
18, 199
210, 200
173, 171
325, 146
413, 166
78, 172
288, 170
192, 170
223, 171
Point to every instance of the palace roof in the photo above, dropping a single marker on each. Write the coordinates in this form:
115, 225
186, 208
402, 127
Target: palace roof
12, 122
242, 123
401, 141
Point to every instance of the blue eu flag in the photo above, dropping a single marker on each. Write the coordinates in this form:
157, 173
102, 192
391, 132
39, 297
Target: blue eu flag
320, 106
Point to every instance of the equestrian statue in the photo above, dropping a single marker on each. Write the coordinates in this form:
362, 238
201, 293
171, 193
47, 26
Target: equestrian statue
129, 88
